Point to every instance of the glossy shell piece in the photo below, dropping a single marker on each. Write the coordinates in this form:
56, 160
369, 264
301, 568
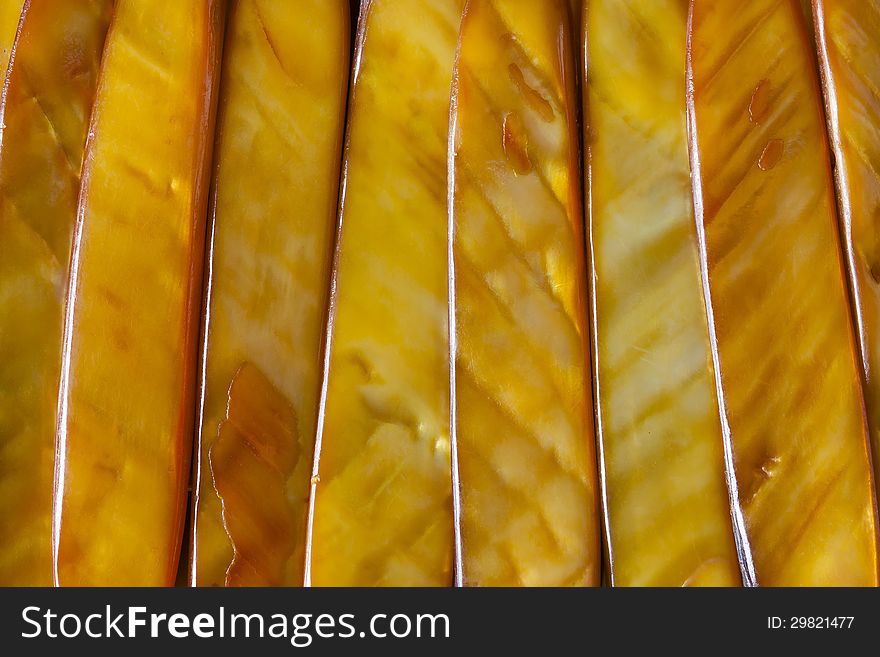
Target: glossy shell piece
523, 414
848, 40
128, 373
277, 161
382, 490
48, 96
777, 297
668, 509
